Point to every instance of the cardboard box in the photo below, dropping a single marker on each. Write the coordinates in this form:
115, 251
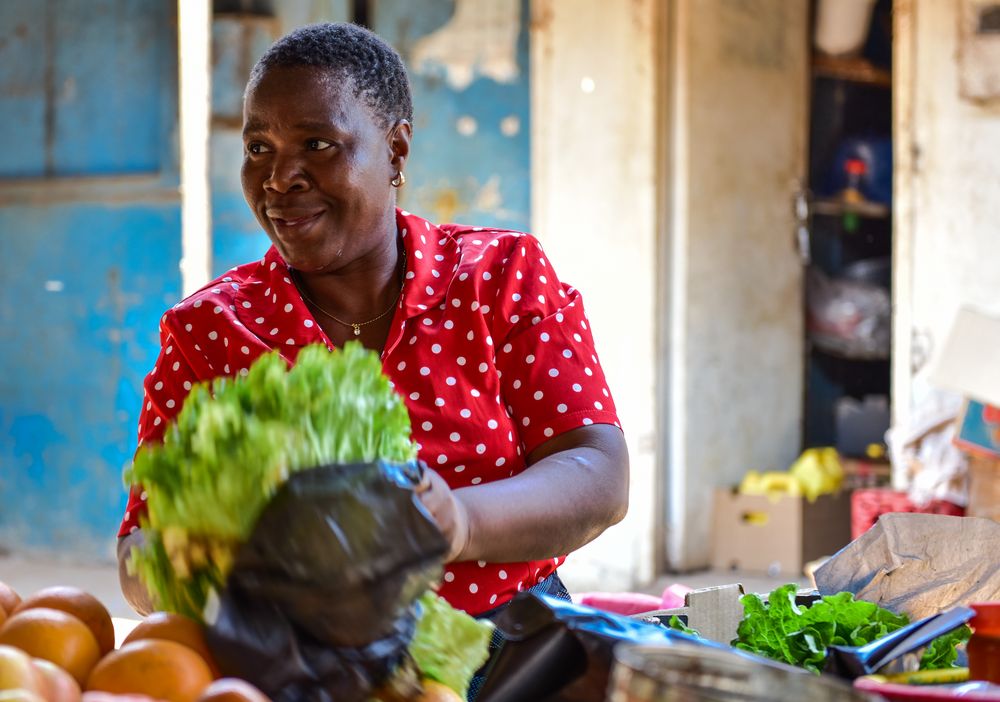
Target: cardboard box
984, 488
967, 364
716, 612
754, 533
979, 430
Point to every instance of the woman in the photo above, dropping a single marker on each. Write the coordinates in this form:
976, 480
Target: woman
492, 354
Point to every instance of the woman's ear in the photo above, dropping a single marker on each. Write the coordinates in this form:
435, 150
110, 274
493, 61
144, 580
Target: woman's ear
399, 144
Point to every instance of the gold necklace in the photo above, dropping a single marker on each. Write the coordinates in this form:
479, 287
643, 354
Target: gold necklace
355, 325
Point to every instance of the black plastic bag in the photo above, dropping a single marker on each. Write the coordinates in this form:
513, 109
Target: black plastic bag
319, 605
559, 651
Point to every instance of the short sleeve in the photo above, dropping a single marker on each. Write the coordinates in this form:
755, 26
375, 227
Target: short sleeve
551, 379
164, 391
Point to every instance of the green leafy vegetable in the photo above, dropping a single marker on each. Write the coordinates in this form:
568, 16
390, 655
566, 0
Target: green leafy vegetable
941, 653
235, 441
676, 624
785, 632
449, 646
799, 636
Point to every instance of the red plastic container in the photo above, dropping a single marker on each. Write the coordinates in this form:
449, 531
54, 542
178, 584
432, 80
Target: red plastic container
869, 504
984, 646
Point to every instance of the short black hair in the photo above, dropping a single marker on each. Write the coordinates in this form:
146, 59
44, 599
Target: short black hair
349, 50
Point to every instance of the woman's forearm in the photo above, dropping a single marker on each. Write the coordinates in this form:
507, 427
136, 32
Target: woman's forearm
562, 501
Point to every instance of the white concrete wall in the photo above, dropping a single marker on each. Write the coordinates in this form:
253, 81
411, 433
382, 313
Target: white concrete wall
738, 118
593, 203
947, 201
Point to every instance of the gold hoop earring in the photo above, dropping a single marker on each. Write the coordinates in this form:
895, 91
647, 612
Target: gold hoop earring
398, 180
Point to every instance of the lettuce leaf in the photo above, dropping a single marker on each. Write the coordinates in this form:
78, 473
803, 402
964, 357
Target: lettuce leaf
785, 632
781, 630
235, 441
449, 646
942, 652
677, 624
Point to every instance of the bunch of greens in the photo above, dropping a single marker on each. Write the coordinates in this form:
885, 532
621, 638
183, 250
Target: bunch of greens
449, 646
236, 441
781, 630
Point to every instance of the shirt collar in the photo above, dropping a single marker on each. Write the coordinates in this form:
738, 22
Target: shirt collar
262, 299
432, 258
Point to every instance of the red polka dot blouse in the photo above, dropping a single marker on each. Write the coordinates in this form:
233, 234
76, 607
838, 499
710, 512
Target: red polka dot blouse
492, 354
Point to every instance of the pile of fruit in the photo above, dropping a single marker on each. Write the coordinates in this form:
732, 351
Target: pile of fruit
58, 645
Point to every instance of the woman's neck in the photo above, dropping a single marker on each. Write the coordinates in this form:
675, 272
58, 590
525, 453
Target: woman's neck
360, 291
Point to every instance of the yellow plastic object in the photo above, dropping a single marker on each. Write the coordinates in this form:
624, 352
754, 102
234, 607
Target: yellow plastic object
773, 484
818, 472
942, 676
875, 451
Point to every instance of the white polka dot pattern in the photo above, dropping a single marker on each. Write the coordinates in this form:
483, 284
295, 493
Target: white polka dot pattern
492, 355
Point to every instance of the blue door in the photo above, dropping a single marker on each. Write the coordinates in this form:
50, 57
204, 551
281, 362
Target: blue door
89, 253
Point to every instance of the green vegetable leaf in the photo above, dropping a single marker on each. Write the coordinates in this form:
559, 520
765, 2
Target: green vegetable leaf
233, 444
449, 646
941, 653
676, 624
785, 632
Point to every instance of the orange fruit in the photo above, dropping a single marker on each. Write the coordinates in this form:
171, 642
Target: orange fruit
59, 685
96, 696
17, 671
232, 690
20, 695
160, 669
82, 605
9, 599
436, 692
55, 636
168, 626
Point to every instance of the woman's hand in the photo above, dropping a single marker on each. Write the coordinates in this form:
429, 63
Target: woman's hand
448, 511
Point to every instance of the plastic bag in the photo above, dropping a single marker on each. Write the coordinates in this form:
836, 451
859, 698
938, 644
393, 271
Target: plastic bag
320, 602
847, 317
563, 652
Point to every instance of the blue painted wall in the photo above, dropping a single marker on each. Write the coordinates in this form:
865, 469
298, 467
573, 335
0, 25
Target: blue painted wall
482, 177
88, 263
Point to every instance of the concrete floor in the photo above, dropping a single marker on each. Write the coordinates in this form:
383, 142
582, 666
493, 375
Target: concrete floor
27, 574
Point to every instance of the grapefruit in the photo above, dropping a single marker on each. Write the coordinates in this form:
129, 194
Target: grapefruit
59, 685
168, 626
82, 605
9, 599
232, 690
436, 692
55, 636
18, 672
160, 669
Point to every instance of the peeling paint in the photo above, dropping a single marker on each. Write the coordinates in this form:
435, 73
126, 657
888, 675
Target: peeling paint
471, 156
510, 125
479, 40
466, 125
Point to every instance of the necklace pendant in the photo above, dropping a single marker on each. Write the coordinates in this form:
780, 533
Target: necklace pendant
357, 329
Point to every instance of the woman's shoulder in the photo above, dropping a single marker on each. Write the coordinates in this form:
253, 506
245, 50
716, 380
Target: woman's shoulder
472, 238
220, 296
490, 248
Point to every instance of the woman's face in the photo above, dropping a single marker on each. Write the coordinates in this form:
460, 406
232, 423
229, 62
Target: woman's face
316, 168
